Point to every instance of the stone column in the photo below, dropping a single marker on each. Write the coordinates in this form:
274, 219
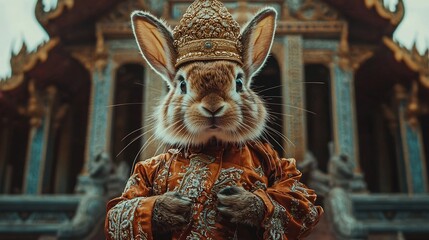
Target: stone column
294, 121
344, 119
344, 112
412, 158
154, 90
100, 115
38, 162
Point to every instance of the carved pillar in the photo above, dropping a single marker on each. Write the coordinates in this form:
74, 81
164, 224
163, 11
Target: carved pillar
154, 90
344, 117
344, 112
38, 162
294, 122
100, 113
411, 144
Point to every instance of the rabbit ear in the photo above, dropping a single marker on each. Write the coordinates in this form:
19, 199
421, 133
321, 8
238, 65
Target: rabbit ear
155, 40
257, 39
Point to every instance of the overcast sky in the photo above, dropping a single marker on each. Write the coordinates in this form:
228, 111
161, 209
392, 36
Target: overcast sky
18, 24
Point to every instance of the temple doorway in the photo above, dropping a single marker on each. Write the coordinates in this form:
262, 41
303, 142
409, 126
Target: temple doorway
318, 112
13, 149
68, 134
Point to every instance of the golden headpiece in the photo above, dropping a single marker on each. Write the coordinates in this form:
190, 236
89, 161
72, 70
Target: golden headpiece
207, 31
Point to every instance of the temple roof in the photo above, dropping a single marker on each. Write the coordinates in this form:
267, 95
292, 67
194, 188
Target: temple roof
74, 22
369, 20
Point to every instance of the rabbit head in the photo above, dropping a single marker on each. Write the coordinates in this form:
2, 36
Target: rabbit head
211, 99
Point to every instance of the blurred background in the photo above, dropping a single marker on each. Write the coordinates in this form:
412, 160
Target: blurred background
347, 82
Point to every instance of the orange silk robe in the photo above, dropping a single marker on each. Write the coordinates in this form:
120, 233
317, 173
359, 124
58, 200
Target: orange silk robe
290, 212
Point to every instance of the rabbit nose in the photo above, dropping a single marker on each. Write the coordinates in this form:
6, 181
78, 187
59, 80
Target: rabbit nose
213, 111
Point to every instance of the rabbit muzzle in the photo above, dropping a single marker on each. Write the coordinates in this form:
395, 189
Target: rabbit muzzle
213, 108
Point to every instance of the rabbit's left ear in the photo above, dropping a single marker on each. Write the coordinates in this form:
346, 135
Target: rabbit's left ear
257, 39
155, 40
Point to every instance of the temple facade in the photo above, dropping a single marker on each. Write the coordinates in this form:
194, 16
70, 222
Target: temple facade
346, 100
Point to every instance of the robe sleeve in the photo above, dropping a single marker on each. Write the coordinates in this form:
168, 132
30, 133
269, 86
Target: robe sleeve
130, 215
290, 206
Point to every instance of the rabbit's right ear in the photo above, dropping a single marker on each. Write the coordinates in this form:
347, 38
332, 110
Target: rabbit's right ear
155, 40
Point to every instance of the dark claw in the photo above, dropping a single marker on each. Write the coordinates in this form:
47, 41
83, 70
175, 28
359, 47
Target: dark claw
229, 191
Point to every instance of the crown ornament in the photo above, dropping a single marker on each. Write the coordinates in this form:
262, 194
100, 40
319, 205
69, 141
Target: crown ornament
207, 31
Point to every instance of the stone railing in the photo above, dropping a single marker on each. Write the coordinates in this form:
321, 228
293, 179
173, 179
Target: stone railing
23, 216
357, 216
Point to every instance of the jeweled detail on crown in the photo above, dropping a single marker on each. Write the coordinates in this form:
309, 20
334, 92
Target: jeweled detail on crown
207, 31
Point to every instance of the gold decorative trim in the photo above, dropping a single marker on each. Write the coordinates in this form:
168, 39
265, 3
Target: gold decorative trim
85, 55
310, 27
394, 17
354, 58
11, 83
351, 57
318, 56
24, 61
307, 28
413, 106
208, 49
411, 58
44, 17
316, 10
35, 109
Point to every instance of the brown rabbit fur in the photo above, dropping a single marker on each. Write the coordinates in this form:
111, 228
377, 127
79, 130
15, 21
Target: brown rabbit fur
208, 100
210, 85
171, 212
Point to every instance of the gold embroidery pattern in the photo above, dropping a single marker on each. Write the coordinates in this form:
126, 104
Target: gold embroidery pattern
227, 177
259, 171
192, 184
121, 218
194, 180
299, 187
275, 225
132, 181
259, 185
309, 218
161, 179
207, 219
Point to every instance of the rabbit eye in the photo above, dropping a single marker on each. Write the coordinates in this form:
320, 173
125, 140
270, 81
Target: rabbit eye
239, 83
183, 87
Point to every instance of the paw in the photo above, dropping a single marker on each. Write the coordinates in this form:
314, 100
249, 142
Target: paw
171, 212
240, 206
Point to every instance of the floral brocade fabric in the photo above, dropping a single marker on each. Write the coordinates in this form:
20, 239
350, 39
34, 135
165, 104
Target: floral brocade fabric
290, 212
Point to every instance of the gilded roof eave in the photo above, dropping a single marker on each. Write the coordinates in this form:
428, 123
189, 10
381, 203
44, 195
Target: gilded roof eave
395, 17
44, 17
369, 20
412, 59
24, 62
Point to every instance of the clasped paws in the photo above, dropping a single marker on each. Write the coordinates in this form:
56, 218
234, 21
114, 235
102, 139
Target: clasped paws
240, 206
171, 212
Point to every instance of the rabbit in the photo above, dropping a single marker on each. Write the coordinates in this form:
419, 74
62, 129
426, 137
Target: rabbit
210, 103
209, 100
